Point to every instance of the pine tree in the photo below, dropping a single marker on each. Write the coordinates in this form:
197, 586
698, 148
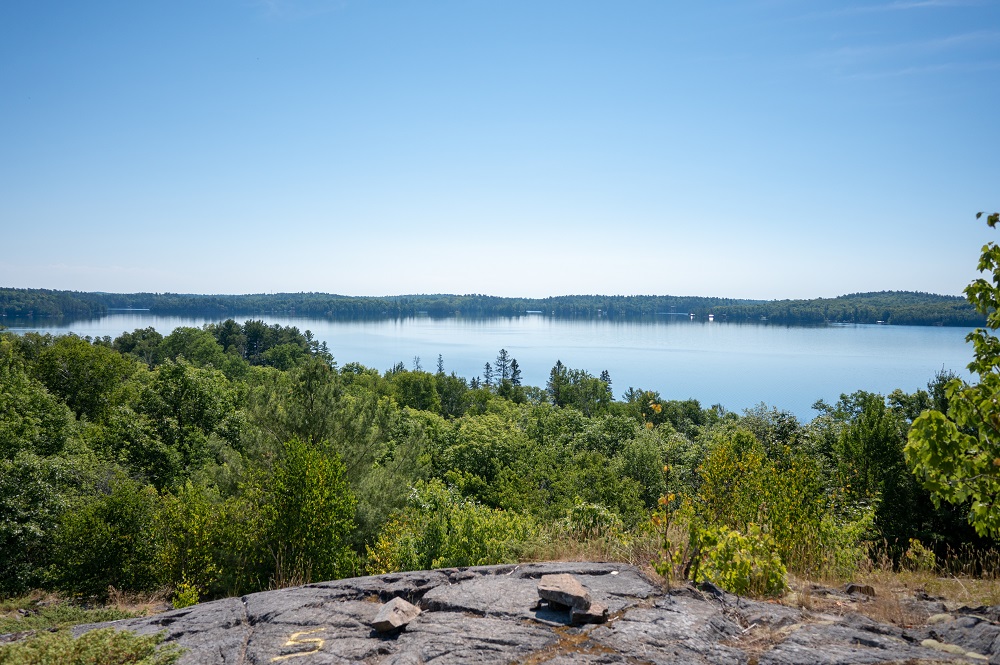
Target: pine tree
556, 383
502, 368
606, 378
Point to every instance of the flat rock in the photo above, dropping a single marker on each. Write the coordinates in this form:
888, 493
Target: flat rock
564, 589
971, 634
491, 614
394, 615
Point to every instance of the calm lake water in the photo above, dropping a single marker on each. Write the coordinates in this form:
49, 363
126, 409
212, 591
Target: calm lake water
735, 365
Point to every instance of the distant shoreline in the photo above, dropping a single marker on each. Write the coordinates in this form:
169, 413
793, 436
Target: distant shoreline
885, 307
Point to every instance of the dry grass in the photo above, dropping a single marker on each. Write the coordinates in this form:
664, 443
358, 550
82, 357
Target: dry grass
756, 641
32, 599
41, 610
639, 550
142, 604
898, 593
892, 603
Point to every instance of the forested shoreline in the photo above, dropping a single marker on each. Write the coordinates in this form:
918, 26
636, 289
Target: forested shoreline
888, 307
241, 456
237, 457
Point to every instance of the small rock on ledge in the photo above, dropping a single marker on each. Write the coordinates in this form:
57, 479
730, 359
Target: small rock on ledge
596, 613
394, 615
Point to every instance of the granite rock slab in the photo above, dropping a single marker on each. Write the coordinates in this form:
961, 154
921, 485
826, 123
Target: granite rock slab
491, 614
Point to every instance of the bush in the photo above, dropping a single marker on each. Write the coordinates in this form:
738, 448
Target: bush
785, 497
98, 647
441, 530
919, 558
586, 521
185, 595
741, 564
109, 540
48, 616
311, 515
746, 565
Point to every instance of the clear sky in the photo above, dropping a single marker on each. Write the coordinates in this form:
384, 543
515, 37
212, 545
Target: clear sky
754, 149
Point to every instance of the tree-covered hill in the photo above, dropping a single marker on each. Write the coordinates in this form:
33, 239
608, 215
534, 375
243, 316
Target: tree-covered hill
890, 307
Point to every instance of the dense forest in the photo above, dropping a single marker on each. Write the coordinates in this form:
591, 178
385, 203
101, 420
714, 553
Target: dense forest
889, 307
241, 456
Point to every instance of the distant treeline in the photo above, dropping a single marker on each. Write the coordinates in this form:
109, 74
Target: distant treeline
890, 307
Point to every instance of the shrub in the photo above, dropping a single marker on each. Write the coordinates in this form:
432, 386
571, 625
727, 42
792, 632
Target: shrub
919, 558
185, 595
586, 521
109, 540
46, 616
98, 647
785, 497
441, 529
742, 564
312, 515
680, 528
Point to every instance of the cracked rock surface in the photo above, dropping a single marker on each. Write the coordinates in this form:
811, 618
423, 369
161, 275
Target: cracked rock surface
490, 614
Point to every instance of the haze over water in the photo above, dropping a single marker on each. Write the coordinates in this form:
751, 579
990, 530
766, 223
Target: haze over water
735, 365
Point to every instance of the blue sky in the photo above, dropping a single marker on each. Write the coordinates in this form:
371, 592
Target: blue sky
757, 149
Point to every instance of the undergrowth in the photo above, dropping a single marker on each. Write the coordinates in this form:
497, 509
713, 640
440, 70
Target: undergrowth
98, 647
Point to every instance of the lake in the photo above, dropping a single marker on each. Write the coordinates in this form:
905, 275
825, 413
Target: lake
735, 365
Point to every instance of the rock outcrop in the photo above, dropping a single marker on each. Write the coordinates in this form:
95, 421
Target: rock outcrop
492, 614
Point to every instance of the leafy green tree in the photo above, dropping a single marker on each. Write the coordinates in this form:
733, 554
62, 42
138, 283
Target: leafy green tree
312, 508
284, 356
142, 343
186, 405
685, 416
869, 450
196, 346
31, 418
33, 496
585, 392
641, 459
453, 390
86, 376
417, 390
957, 455
133, 439
108, 540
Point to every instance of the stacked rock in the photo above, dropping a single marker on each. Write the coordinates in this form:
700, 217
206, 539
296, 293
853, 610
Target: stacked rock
564, 592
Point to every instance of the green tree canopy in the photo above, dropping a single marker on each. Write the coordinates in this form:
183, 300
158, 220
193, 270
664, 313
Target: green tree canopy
957, 455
